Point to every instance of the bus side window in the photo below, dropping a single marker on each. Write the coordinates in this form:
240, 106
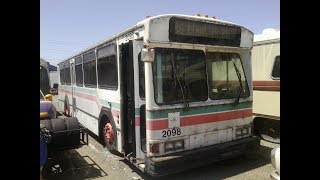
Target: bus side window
141, 77
276, 68
79, 72
89, 70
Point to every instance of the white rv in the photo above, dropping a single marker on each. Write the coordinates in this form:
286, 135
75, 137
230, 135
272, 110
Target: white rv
266, 84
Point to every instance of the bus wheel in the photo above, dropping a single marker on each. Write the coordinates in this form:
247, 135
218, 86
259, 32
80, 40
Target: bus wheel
109, 136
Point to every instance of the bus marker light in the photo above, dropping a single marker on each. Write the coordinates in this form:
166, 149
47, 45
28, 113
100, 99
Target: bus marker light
154, 148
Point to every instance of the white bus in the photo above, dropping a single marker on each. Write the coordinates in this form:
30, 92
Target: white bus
266, 84
169, 93
44, 76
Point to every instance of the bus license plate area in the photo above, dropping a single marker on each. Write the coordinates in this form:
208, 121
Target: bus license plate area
207, 139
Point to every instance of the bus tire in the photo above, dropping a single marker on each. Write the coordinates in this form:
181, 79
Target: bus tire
58, 124
46, 124
109, 134
73, 137
58, 138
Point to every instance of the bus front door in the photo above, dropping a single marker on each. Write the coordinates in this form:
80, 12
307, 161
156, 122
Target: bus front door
127, 107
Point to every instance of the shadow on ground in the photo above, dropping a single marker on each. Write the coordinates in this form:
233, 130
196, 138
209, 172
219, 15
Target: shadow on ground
218, 170
71, 165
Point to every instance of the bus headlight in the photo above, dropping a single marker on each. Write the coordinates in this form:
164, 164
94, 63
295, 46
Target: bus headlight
179, 144
174, 145
154, 148
169, 146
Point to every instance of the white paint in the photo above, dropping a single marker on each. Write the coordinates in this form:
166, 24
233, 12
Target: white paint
174, 120
267, 34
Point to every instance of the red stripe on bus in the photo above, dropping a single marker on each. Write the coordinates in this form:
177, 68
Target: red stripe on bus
208, 118
91, 98
137, 121
201, 119
157, 124
273, 85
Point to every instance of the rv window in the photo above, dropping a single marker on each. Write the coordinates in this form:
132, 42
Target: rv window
276, 68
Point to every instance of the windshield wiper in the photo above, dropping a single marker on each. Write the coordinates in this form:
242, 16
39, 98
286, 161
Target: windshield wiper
239, 78
186, 105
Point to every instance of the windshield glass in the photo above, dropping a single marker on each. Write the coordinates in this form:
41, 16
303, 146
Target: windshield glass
179, 76
223, 80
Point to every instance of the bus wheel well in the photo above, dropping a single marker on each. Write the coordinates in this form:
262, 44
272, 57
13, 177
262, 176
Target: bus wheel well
107, 130
104, 117
267, 129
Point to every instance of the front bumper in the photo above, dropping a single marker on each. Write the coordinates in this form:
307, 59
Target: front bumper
160, 166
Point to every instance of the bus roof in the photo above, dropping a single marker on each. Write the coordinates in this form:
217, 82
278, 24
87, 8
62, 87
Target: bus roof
145, 22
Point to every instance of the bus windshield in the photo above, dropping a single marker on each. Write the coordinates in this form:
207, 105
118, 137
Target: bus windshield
179, 76
224, 82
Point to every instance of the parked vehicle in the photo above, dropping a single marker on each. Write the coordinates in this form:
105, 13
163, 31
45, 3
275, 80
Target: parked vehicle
266, 84
54, 89
57, 133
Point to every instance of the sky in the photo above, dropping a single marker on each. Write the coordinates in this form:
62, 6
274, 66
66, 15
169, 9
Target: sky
69, 26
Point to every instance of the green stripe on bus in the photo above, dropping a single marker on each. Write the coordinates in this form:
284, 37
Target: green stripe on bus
198, 110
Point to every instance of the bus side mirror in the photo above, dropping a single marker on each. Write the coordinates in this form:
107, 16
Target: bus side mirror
147, 55
48, 97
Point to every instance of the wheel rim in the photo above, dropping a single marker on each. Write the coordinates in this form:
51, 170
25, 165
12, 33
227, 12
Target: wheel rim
108, 133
